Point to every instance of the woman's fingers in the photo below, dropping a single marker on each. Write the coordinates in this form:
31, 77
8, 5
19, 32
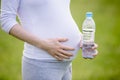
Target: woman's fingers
96, 53
67, 48
62, 54
81, 44
59, 51
62, 39
64, 47
58, 58
95, 46
65, 53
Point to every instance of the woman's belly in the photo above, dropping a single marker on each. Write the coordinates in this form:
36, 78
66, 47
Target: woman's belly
47, 28
70, 32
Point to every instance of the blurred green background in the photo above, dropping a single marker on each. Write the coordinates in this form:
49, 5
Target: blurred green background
106, 66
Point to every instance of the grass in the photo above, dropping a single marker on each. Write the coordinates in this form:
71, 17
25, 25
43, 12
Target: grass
10, 57
105, 66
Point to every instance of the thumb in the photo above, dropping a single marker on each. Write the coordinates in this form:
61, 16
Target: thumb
62, 39
81, 44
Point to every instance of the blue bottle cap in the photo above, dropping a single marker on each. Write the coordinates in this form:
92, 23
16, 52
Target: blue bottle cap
89, 14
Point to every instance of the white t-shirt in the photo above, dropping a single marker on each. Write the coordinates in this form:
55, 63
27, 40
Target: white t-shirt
43, 18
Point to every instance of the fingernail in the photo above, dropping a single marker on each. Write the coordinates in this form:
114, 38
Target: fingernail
71, 54
73, 49
66, 38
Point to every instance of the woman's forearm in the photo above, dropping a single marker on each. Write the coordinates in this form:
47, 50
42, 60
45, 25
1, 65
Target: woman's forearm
18, 32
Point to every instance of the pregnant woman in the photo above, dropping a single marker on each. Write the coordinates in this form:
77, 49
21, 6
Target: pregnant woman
51, 36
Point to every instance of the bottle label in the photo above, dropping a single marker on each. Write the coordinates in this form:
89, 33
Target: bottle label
88, 36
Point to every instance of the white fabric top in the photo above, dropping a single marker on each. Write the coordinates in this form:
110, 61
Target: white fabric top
43, 18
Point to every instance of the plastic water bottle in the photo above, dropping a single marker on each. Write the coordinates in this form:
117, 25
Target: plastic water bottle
88, 29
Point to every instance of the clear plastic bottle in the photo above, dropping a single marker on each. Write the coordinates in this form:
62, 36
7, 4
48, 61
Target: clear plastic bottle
88, 29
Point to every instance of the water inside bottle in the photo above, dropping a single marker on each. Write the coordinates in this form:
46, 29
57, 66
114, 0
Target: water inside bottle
87, 51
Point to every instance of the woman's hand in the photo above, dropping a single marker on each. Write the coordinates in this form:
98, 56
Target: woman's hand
56, 49
93, 48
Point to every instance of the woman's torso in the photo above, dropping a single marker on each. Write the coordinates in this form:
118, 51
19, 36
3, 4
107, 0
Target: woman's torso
48, 19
